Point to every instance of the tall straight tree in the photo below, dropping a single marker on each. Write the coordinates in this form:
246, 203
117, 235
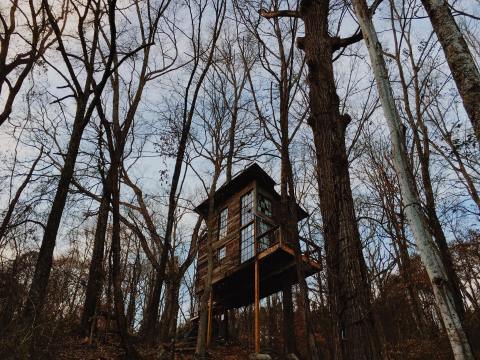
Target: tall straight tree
86, 96
349, 294
202, 59
411, 201
280, 127
119, 124
459, 58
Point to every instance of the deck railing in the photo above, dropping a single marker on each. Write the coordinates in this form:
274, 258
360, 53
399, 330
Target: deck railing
273, 236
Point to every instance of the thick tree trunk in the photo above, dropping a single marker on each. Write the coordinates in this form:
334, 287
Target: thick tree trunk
423, 237
289, 343
168, 320
460, 60
349, 293
96, 274
150, 324
38, 288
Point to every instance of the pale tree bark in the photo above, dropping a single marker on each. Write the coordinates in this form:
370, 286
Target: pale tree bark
414, 116
416, 218
459, 59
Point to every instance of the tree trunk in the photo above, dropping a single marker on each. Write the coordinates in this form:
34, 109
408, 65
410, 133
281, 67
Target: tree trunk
201, 347
150, 323
96, 274
133, 292
349, 294
289, 343
43, 266
423, 237
460, 60
118, 298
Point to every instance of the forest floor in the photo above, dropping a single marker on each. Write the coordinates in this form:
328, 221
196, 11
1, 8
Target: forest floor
73, 348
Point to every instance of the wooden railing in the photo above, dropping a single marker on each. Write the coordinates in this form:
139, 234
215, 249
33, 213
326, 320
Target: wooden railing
267, 239
273, 236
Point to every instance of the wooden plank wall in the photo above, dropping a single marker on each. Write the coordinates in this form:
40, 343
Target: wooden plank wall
231, 241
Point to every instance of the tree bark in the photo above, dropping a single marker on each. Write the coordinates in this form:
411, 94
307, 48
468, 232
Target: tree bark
38, 288
201, 346
96, 276
116, 273
459, 59
289, 343
349, 293
423, 237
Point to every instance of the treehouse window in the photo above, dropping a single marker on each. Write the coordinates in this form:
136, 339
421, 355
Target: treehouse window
247, 249
264, 240
247, 208
264, 205
222, 253
223, 224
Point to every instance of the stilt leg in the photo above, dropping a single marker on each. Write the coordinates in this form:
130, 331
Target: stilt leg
209, 326
257, 307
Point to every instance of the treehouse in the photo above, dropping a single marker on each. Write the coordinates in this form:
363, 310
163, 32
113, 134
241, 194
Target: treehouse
253, 258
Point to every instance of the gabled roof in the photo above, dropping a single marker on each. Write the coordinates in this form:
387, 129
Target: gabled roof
238, 182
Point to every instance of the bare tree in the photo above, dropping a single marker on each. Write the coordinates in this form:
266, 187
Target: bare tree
349, 292
460, 60
26, 36
418, 223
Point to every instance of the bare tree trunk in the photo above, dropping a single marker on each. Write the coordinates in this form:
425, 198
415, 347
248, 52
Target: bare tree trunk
188, 113
349, 293
38, 288
289, 342
116, 262
83, 113
96, 276
423, 237
201, 346
133, 292
460, 60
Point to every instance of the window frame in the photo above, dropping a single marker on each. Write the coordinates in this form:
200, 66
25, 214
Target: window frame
243, 226
259, 211
220, 250
223, 230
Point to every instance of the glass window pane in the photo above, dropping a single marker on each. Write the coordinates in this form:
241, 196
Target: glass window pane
246, 208
222, 252
247, 250
223, 224
264, 205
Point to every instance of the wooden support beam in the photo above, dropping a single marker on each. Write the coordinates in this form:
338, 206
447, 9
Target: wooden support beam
209, 326
257, 306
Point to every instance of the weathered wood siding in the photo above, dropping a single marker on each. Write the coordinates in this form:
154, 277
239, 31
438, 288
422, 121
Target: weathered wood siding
231, 241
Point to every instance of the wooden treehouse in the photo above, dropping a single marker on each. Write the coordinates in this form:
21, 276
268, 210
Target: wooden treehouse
251, 257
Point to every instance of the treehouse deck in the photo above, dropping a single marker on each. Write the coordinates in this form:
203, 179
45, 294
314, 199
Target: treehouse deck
276, 269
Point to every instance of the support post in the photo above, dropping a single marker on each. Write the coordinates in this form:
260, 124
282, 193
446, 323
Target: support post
209, 326
226, 326
257, 307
